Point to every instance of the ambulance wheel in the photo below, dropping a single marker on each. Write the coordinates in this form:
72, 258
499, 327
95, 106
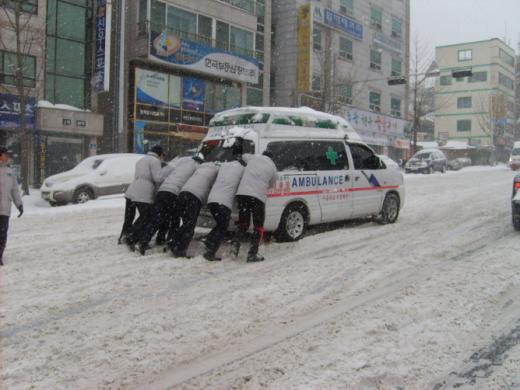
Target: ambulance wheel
293, 223
390, 210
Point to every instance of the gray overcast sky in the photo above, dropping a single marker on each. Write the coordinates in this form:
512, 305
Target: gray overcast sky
443, 22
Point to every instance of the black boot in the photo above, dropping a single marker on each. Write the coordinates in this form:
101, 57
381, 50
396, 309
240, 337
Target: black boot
254, 257
235, 248
210, 256
143, 248
1, 262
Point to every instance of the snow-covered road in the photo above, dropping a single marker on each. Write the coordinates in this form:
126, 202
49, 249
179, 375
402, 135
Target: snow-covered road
430, 302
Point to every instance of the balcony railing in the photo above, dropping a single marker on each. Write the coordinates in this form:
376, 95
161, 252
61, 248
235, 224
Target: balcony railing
208, 41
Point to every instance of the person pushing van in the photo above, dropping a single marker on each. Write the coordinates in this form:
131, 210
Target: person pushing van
259, 175
164, 220
220, 199
148, 174
191, 198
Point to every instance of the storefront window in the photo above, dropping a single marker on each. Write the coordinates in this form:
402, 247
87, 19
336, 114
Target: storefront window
221, 97
254, 97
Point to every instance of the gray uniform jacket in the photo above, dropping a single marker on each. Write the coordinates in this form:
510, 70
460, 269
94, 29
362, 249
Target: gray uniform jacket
226, 184
148, 173
183, 169
9, 191
259, 175
201, 181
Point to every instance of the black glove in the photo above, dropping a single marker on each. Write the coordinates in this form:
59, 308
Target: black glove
20, 211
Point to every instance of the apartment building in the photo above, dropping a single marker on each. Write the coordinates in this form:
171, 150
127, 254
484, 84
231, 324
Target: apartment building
55, 38
480, 109
338, 56
174, 63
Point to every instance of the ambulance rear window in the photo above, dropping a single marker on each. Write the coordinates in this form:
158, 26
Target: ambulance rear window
242, 119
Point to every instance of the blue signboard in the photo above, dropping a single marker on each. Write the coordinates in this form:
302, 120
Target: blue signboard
139, 137
343, 23
10, 111
193, 94
102, 49
170, 48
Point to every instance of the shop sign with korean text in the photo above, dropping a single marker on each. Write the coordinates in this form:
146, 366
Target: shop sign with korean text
169, 48
10, 110
102, 37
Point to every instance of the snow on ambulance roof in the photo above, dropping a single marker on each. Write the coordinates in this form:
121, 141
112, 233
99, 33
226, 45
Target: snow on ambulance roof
302, 116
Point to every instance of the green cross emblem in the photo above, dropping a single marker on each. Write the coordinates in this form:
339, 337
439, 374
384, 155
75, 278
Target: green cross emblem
332, 156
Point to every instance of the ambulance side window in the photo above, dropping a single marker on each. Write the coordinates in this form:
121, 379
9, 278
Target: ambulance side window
330, 155
293, 155
364, 158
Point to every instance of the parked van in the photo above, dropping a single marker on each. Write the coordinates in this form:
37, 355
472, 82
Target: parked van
325, 172
514, 159
104, 174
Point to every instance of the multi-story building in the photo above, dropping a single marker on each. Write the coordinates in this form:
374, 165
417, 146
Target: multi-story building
179, 62
338, 56
55, 40
478, 109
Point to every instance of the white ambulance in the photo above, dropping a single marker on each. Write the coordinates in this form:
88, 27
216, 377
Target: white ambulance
325, 172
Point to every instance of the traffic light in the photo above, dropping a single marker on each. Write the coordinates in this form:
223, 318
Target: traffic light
461, 73
396, 81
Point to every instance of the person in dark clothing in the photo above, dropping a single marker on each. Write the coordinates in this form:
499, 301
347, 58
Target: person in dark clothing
191, 198
260, 174
148, 174
9, 193
220, 200
164, 220
130, 211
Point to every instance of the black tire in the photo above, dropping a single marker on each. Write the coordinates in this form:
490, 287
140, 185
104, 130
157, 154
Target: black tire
83, 195
443, 169
293, 223
430, 170
390, 209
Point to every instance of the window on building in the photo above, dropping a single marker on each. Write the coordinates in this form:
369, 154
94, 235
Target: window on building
478, 77
397, 65
142, 16
506, 57
254, 97
464, 125
316, 38
376, 18
316, 83
464, 102
8, 69
345, 48
375, 59
158, 16
67, 68
374, 101
28, 6
205, 29
345, 93
222, 35
445, 80
465, 55
397, 27
346, 7
245, 5
184, 23
395, 107
241, 40
506, 81
219, 97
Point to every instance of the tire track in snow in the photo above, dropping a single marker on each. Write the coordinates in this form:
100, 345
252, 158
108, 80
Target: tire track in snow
384, 290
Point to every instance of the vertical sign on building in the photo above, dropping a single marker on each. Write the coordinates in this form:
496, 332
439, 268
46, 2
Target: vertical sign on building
102, 57
139, 137
304, 47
